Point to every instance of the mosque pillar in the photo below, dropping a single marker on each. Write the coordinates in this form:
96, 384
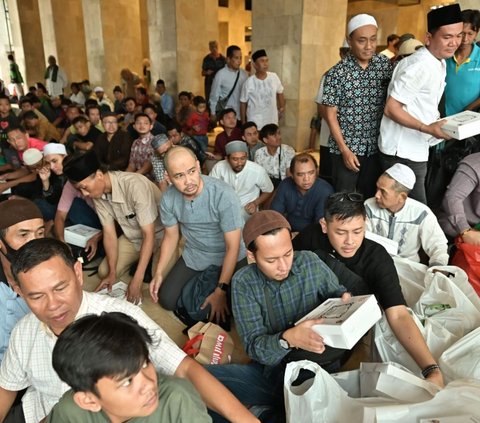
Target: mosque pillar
302, 39
48, 28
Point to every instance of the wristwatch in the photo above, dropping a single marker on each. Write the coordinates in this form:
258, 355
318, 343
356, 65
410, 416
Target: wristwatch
283, 342
223, 286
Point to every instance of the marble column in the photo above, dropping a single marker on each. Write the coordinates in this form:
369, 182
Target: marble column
48, 28
302, 39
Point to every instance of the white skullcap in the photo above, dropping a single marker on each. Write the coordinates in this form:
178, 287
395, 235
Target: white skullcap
98, 90
360, 20
402, 174
54, 148
32, 156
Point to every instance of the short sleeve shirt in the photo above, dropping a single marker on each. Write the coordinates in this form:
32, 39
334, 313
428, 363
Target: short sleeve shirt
133, 203
359, 96
204, 221
276, 165
141, 152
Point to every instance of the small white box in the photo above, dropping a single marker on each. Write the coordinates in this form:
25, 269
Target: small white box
462, 125
79, 235
345, 322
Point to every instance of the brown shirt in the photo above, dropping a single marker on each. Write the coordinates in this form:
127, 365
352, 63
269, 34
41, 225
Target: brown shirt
133, 203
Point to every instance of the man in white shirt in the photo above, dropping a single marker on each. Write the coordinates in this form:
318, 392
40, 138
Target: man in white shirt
411, 224
391, 50
226, 81
249, 180
262, 100
409, 125
50, 280
55, 78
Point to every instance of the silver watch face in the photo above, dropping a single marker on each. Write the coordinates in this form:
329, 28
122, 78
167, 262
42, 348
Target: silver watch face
284, 344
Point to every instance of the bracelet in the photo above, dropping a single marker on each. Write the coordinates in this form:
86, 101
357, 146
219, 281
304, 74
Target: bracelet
430, 369
465, 231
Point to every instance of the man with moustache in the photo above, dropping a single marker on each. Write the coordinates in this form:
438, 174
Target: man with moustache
354, 94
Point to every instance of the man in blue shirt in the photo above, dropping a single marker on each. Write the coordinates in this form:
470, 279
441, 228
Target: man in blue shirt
301, 197
20, 222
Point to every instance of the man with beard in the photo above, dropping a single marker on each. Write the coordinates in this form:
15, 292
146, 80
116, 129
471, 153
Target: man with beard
249, 180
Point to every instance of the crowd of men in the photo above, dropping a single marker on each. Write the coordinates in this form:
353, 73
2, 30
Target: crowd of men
247, 230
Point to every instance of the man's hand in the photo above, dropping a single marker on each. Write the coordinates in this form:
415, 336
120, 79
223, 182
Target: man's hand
304, 337
471, 237
436, 377
346, 296
435, 130
134, 291
44, 173
350, 160
250, 208
210, 155
218, 306
91, 247
106, 283
155, 284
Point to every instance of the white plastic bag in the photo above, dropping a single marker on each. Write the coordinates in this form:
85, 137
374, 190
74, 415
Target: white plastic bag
462, 359
412, 279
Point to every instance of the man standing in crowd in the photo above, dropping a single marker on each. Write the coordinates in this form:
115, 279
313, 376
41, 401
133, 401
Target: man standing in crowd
55, 78
391, 50
262, 100
354, 93
228, 83
410, 123
212, 63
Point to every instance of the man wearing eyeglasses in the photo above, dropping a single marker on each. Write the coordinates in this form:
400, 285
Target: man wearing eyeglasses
129, 200
365, 267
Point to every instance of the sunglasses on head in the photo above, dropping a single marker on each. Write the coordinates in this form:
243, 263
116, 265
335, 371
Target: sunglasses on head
355, 197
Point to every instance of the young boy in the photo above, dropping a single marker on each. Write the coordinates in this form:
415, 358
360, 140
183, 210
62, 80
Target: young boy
250, 136
105, 360
198, 122
142, 150
85, 137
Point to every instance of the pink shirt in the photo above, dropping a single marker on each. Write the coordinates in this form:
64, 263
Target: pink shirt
33, 143
69, 193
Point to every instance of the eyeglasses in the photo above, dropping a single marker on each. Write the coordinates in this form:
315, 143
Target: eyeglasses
355, 197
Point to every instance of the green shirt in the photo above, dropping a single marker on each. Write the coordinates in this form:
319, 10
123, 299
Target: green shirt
178, 402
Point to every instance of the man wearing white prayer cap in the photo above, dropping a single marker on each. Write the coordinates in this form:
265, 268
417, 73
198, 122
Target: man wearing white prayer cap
410, 223
249, 180
354, 93
410, 123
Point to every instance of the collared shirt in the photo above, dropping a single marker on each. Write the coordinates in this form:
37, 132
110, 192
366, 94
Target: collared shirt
203, 221
28, 360
133, 203
413, 227
276, 165
417, 82
261, 98
309, 283
359, 96
158, 166
168, 106
141, 152
301, 209
463, 82
223, 83
12, 307
248, 184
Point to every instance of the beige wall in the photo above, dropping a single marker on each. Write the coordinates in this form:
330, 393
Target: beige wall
196, 25
236, 19
29, 18
70, 38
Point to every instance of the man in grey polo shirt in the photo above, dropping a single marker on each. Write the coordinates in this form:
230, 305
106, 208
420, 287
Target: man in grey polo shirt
208, 213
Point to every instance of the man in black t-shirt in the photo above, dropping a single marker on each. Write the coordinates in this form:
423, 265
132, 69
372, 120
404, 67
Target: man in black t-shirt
365, 267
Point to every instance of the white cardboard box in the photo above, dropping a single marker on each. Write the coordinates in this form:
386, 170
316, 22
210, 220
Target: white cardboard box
345, 322
79, 234
462, 125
